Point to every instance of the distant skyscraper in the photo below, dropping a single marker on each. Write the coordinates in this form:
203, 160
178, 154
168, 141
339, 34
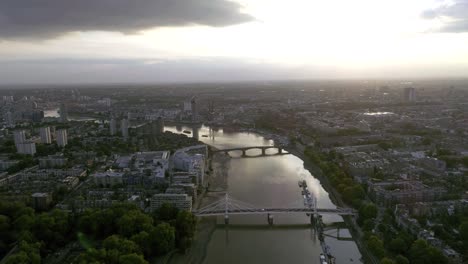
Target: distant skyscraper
113, 127
409, 94
194, 109
62, 138
124, 128
46, 137
9, 119
63, 113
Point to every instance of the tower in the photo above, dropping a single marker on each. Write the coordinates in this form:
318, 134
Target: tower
63, 113
124, 128
46, 137
113, 127
62, 138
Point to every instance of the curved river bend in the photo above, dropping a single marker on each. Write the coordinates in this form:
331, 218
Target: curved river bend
264, 182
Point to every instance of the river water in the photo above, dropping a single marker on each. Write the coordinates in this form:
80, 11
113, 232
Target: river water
269, 182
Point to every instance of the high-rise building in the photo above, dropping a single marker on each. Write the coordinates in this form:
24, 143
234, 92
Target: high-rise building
124, 128
62, 139
46, 137
63, 113
113, 127
9, 119
409, 94
19, 137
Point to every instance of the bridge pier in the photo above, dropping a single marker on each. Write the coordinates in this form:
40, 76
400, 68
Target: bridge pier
243, 153
270, 219
226, 219
280, 150
312, 219
263, 151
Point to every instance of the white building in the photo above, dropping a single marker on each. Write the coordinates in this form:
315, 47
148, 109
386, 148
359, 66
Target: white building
46, 137
192, 163
62, 138
113, 127
180, 201
124, 128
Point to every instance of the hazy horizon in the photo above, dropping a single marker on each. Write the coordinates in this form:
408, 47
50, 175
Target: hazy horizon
175, 41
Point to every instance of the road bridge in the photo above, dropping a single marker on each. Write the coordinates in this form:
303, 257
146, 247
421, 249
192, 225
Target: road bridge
280, 150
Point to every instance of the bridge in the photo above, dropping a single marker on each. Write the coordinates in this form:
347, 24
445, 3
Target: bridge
245, 149
230, 206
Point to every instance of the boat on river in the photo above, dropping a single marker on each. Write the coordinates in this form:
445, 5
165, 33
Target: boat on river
323, 259
187, 132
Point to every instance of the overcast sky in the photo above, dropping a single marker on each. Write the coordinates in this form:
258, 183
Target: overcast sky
109, 41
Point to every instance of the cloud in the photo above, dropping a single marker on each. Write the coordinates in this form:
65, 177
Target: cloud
454, 16
49, 18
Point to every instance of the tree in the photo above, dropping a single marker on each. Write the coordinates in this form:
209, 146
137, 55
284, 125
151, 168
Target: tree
185, 229
132, 259
401, 260
464, 231
387, 261
166, 212
376, 246
163, 238
367, 211
398, 246
421, 253
134, 222
122, 245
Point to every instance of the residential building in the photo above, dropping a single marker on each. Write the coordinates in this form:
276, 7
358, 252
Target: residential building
62, 138
124, 128
180, 201
46, 137
113, 127
27, 147
52, 161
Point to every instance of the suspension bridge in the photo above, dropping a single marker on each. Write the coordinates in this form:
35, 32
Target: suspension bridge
231, 206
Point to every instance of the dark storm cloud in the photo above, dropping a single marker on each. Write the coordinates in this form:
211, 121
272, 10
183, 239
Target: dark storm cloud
454, 16
49, 18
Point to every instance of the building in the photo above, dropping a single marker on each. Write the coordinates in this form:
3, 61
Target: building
180, 201
6, 164
124, 128
41, 201
9, 121
19, 137
403, 192
46, 137
63, 113
62, 138
113, 127
52, 161
409, 94
28, 148
108, 178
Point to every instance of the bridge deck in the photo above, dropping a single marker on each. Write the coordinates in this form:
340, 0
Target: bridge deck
274, 211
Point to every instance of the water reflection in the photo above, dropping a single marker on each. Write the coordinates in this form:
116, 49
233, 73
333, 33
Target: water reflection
264, 182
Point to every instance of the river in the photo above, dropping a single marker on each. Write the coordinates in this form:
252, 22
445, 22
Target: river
267, 182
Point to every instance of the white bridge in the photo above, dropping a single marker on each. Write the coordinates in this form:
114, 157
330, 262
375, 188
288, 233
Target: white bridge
230, 206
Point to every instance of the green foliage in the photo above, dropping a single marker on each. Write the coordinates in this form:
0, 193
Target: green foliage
398, 246
401, 260
386, 261
422, 253
376, 246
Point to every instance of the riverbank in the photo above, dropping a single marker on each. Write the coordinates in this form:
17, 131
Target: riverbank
335, 197
217, 182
